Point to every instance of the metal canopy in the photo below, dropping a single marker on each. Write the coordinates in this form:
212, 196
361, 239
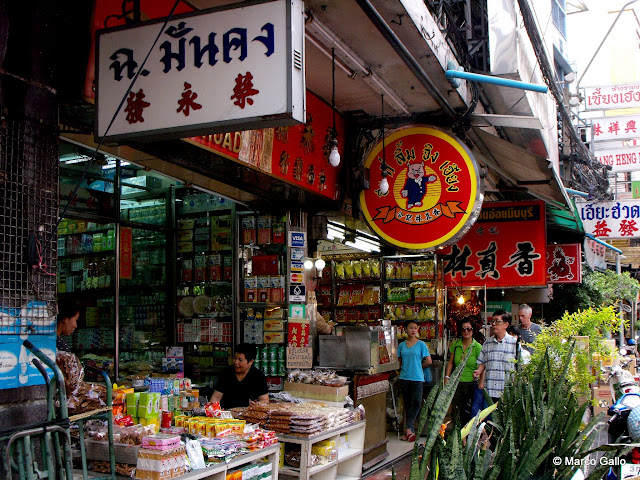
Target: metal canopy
522, 167
369, 64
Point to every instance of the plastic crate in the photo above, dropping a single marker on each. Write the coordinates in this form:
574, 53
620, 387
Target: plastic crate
100, 451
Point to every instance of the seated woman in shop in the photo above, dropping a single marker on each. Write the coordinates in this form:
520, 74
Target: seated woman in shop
68, 314
242, 383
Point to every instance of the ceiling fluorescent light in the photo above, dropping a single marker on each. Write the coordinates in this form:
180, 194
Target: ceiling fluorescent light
364, 246
77, 160
327, 37
335, 233
327, 53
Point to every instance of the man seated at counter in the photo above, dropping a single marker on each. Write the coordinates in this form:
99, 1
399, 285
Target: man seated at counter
241, 383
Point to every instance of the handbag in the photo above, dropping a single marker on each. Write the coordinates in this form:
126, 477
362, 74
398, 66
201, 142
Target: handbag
478, 400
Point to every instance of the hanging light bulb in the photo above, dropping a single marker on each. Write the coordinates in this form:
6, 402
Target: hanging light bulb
461, 299
384, 185
320, 264
334, 154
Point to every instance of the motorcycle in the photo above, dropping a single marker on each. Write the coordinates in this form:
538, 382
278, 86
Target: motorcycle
621, 381
619, 413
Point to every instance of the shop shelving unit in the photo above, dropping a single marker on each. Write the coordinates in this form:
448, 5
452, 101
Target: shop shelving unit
205, 249
348, 465
262, 285
127, 316
421, 279
331, 286
428, 313
219, 471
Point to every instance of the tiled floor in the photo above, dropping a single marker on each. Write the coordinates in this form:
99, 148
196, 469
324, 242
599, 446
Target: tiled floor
399, 457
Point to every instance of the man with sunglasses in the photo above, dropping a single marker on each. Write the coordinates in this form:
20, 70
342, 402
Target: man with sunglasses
497, 357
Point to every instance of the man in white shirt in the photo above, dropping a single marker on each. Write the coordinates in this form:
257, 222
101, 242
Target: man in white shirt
497, 357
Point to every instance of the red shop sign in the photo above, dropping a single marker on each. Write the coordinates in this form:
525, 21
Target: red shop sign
126, 252
564, 263
298, 155
506, 247
434, 189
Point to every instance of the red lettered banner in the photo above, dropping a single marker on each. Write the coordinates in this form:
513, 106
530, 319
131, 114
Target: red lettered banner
564, 263
506, 247
298, 155
126, 253
433, 190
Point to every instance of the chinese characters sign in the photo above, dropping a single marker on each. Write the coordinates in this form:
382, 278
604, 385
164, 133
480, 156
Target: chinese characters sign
612, 96
126, 252
434, 190
298, 155
506, 247
611, 219
208, 72
615, 128
564, 263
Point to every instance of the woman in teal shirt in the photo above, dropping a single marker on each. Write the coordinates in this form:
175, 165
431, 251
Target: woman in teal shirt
461, 404
414, 357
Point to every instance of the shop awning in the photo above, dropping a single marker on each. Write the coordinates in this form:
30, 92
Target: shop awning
561, 223
522, 168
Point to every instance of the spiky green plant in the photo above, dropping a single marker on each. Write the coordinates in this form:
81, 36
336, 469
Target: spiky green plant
432, 414
537, 418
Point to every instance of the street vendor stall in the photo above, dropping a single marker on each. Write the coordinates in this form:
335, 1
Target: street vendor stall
319, 441
367, 354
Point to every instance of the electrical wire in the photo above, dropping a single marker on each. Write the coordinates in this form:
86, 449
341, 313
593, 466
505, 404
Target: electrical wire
115, 114
597, 170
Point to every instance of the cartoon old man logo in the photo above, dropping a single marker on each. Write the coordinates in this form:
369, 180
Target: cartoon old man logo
415, 188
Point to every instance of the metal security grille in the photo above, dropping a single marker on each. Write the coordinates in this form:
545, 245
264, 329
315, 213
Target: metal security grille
28, 234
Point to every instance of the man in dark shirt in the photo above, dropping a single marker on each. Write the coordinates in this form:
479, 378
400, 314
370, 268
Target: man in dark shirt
241, 383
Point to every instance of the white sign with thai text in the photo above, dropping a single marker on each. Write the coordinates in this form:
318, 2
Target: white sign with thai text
612, 96
620, 159
235, 68
619, 219
615, 128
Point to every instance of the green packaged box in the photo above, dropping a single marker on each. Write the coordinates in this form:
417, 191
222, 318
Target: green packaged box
133, 402
146, 405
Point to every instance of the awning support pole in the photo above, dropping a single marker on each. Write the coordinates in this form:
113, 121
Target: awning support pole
505, 82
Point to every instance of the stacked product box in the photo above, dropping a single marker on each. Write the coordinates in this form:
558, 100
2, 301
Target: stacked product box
119, 400
160, 464
326, 451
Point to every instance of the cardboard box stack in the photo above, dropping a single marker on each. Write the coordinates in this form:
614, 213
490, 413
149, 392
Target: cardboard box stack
160, 464
145, 408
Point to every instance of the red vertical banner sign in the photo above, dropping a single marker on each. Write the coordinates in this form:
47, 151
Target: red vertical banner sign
506, 247
126, 252
564, 263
